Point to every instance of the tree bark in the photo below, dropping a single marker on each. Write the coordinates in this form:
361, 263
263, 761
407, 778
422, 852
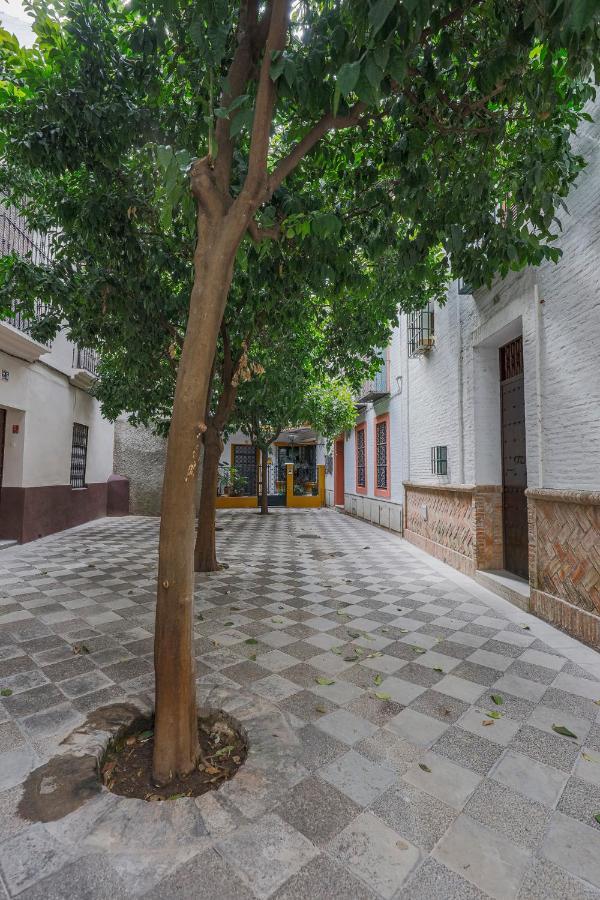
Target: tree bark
264, 494
205, 553
176, 748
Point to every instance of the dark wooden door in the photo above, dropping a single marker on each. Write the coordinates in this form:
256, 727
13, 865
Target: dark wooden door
514, 460
2, 433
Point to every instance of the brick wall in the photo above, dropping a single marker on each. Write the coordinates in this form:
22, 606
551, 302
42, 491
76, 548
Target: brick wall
564, 560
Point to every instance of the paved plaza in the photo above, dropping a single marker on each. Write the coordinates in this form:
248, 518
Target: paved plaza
402, 723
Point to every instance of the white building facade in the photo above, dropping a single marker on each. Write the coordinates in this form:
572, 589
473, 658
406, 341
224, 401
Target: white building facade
494, 427
56, 449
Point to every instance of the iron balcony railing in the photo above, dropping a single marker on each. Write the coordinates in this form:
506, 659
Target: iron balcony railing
376, 387
86, 359
15, 237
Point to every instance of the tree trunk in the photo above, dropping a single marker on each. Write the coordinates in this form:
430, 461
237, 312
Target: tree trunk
264, 494
205, 553
176, 748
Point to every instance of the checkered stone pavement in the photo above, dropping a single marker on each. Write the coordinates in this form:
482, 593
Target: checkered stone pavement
426, 761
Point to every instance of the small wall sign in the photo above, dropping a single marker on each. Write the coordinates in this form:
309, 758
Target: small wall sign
5, 374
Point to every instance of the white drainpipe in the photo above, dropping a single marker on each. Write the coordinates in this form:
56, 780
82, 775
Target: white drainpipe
538, 382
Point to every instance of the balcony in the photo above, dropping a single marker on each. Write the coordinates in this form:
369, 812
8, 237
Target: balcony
376, 387
15, 335
85, 365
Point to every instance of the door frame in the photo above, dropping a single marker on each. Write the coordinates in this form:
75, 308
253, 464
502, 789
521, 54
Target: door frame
338, 473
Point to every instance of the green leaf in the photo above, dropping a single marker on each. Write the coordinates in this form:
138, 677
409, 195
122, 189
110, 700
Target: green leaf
144, 736
378, 679
379, 13
337, 651
322, 680
381, 696
562, 729
347, 77
597, 817
251, 641
227, 624
320, 709
224, 750
494, 714
418, 649
437, 669
424, 767
498, 700
242, 120
5, 692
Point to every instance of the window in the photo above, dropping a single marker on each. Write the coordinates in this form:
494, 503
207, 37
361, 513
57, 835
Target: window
361, 459
421, 336
79, 455
464, 287
439, 460
382, 456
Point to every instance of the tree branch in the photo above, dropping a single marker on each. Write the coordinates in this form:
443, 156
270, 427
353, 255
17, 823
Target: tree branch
251, 37
329, 122
259, 233
265, 102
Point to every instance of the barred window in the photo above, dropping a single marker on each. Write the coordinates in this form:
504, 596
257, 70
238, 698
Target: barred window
79, 455
421, 331
381, 454
361, 458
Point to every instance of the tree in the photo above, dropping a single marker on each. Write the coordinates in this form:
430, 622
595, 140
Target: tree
443, 110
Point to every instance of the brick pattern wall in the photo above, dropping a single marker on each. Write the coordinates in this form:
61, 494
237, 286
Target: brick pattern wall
565, 546
449, 519
489, 540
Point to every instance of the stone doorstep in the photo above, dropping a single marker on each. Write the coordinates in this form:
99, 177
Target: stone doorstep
512, 588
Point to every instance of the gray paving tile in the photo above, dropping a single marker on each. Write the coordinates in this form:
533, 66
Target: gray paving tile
415, 815
345, 726
416, 727
545, 881
449, 782
434, 881
267, 854
30, 856
491, 862
324, 879
573, 846
206, 875
504, 810
317, 810
549, 748
535, 780
470, 750
358, 777
375, 853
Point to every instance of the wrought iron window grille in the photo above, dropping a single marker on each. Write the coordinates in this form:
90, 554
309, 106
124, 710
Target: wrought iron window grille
421, 331
361, 467
79, 455
439, 460
381, 451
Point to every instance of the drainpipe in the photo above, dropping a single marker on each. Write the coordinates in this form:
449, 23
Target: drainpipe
459, 383
538, 382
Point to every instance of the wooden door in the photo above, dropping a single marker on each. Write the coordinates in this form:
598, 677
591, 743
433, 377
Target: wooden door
514, 460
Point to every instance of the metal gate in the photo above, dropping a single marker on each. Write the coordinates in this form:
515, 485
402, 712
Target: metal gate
514, 462
244, 463
276, 485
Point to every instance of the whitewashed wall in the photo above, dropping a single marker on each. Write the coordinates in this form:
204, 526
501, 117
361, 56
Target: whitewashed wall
42, 402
